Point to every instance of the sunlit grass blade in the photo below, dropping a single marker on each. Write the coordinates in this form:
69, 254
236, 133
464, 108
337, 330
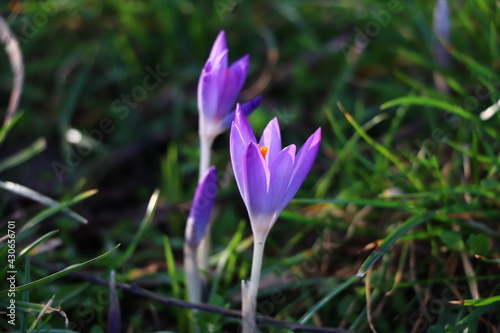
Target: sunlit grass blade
492, 261
37, 242
452, 108
36, 196
316, 307
57, 275
60, 207
381, 149
478, 302
6, 128
400, 231
348, 149
30, 247
24, 155
146, 221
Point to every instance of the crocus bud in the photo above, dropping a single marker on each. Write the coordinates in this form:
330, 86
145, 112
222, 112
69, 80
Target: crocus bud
218, 88
201, 208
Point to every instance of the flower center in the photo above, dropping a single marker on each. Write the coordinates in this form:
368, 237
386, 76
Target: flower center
263, 151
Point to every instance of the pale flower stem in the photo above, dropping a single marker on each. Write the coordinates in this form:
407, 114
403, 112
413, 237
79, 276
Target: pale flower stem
205, 152
192, 279
206, 242
250, 289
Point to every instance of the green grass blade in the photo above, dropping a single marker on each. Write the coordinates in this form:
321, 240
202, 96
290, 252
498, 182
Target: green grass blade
36, 196
24, 155
37, 242
476, 313
146, 221
426, 101
171, 175
381, 149
6, 128
492, 261
57, 275
63, 206
474, 66
371, 202
348, 149
226, 253
171, 268
315, 308
400, 231
479, 301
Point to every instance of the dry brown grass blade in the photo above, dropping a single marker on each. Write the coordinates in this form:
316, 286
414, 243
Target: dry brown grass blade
11, 46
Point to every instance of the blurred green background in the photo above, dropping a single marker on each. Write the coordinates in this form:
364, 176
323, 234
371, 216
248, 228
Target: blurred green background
108, 127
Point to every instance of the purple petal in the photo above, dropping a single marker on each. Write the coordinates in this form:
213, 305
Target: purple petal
210, 86
256, 179
247, 108
303, 163
201, 208
271, 138
219, 45
281, 171
221, 78
208, 92
242, 123
237, 147
235, 77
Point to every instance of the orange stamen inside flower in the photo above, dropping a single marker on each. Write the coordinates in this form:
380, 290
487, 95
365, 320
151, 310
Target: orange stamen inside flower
263, 151
227, 72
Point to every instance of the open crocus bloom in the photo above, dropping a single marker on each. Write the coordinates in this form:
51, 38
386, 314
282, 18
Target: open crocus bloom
268, 176
218, 88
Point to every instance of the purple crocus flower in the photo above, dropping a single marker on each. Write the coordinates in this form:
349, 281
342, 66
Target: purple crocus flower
268, 176
218, 88
201, 208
